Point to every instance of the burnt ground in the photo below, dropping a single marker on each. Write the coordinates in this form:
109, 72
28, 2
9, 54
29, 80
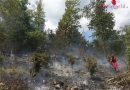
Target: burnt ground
62, 76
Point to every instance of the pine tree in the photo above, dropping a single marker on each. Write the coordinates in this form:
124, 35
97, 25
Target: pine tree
67, 33
127, 43
101, 22
37, 37
17, 21
39, 16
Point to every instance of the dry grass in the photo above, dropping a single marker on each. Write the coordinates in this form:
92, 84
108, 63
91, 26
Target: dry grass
11, 79
122, 79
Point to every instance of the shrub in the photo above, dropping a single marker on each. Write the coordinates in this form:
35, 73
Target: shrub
39, 60
1, 58
91, 64
71, 60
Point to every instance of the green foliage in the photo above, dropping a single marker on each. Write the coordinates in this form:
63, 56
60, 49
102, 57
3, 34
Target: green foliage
39, 16
36, 39
114, 44
51, 41
90, 63
2, 37
21, 25
102, 22
40, 57
127, 43
67, 33
1, 58
16, 20
39, 60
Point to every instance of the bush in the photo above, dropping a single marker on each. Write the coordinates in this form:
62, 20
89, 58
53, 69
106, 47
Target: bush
1, 58
71, 60
39, 60
91, 64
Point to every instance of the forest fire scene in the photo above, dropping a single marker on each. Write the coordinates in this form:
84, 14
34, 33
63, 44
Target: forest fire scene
64, 45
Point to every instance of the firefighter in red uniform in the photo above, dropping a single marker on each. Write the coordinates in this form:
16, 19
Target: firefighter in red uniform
114, 63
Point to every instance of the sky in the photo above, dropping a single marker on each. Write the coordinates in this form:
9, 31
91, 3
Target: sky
54, 9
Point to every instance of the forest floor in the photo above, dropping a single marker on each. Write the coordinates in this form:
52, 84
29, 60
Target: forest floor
62, 76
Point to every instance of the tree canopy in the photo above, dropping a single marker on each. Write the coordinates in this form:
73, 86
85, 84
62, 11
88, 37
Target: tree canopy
67, 32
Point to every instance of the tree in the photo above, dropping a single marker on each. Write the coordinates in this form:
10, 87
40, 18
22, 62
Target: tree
36, 40
37, 37
17, 21
51, 39
2, 33
2, 40
127, 43
67, 33
39, 16
23, 26
101, 21
116, 42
